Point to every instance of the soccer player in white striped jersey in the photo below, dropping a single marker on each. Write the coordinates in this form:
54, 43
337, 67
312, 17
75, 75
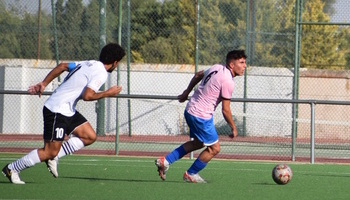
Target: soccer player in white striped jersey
60, 116
216, 85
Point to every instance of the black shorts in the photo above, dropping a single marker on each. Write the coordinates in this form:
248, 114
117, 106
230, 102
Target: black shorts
56, 125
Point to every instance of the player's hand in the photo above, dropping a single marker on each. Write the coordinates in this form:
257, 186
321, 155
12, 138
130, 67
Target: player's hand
115, 90
36, 89
183, 97
234, 133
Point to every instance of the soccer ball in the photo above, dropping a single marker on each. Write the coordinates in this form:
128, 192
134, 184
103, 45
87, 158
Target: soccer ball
282, 174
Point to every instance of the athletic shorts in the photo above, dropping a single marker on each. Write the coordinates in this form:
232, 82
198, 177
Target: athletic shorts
203, 130
56, 125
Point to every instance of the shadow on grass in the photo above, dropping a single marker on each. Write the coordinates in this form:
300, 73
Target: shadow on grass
265, 183
119, 180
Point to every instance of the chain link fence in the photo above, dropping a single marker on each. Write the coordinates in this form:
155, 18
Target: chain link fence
297, 49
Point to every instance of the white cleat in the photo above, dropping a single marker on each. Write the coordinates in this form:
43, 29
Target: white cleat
162, 167
193, 178
52, 167
12, 175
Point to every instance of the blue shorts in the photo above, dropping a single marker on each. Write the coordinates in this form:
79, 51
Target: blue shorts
203, 130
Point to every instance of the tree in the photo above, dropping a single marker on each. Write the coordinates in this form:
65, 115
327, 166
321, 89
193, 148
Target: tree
89, 37
163, 31
9, 24
69, 17
344, 46
284, 36
319, 44
213, 30
267, 20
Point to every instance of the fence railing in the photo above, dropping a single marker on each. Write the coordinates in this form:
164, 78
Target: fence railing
311, 102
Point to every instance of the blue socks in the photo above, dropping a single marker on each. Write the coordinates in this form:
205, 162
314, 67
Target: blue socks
180, 152
197, 166
175, 155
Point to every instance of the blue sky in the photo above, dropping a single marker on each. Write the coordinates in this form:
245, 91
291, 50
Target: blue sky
342, 8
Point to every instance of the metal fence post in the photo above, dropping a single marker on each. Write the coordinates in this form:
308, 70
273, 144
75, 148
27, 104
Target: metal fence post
118, 77
128, 65
100, 105
296, 75
312, 136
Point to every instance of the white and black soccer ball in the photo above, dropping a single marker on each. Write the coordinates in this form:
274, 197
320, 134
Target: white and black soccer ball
282, 174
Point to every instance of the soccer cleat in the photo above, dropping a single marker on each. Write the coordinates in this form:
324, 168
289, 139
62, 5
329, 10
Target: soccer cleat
193, 178
52, 166
162, 167
11, 175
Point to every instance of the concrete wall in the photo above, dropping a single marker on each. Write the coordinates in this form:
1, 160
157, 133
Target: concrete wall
23, 113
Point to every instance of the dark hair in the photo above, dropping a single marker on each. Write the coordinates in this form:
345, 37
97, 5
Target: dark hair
235, 55
111, 52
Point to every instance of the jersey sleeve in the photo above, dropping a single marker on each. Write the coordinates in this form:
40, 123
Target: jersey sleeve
227, 89
71, 66
97, 79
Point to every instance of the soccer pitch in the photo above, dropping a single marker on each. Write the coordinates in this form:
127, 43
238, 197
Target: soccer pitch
102, 177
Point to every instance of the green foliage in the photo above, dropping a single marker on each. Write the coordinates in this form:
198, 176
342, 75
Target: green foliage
320, 43
89, 40
9, 45
345, 46
164, 31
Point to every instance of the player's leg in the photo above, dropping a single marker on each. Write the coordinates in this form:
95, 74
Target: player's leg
54, 129
194, 125
12, 170
210, 152
207, 134
191, 175
82, 136
184, 149
69, 126
85, 133
163, 163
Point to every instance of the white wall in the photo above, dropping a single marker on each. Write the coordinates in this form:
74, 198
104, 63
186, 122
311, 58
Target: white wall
23, 113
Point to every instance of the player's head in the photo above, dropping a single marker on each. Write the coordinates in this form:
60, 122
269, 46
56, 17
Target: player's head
235, 61
111, 53
235, 55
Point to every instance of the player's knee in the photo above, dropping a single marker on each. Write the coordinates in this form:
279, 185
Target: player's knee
93, 138
214, 150
89, 139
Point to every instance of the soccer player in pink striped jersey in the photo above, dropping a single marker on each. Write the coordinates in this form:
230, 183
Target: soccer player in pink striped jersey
216, 85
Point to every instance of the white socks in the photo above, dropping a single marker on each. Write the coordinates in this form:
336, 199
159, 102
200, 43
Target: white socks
29, 160
70, 146
32, 158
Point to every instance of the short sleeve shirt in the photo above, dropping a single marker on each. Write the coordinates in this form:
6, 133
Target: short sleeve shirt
82, 74
217, 84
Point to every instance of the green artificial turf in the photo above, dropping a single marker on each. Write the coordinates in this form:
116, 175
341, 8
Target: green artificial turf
97, 177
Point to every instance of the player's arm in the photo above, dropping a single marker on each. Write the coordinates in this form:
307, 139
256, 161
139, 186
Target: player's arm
226, 112
194, 81
54, 73
90, 95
